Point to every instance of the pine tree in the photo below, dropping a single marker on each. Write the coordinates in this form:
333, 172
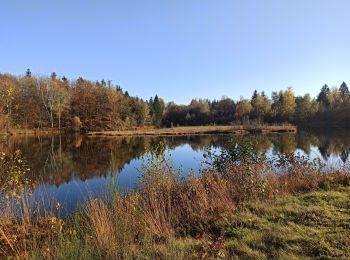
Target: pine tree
157, 111
53, 75
28, 73
322, 97
344, 90
103, 83
255, 95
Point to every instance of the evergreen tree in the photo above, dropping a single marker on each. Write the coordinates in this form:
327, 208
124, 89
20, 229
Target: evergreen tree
103, 83
157, 111
322, 97
255, 95
118, 88
28, 73
344, 90
53, 75
305, 108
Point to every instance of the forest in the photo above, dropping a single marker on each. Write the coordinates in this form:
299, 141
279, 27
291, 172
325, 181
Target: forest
35, 102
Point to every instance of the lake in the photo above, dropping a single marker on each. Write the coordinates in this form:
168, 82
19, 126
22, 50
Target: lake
71, 169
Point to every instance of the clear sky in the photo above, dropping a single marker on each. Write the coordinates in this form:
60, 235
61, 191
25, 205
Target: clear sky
181, 49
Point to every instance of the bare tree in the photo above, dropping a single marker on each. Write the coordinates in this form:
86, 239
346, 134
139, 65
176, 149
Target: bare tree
61, 101
49, 93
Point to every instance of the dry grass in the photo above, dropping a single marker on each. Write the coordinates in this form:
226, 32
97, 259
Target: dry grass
33, 131
101, 220
21, 233
192, 130
168, 217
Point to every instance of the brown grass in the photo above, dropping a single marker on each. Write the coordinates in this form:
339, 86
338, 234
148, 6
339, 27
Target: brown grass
192, 130
32, 131
164, 208
21, 233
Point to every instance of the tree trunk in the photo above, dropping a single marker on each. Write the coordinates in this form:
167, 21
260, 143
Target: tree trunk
59, 120
51, 115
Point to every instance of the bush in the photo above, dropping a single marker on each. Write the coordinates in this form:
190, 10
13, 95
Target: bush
13, 174
76, 124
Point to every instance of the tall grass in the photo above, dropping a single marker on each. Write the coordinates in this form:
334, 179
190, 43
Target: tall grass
148, 223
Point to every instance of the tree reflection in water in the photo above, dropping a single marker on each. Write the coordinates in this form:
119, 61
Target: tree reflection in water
59, 160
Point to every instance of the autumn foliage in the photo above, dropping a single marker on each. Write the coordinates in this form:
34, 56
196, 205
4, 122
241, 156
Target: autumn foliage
49, 102
29, 102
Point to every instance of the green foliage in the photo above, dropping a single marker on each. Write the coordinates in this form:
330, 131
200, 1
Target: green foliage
305, 108
157, 107
344, 90
322, 97
312, 225
157, 167
235, 153
28, 73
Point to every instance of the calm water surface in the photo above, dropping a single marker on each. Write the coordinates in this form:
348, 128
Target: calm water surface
71, 169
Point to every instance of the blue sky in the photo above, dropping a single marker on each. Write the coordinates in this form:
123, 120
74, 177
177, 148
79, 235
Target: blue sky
181, 49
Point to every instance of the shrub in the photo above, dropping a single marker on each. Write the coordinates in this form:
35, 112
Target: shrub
13, 174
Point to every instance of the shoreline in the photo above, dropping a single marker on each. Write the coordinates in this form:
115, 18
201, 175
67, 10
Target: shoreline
181, 130
196, 130
31, 132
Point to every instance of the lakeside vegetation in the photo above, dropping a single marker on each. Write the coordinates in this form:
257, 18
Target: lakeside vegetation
180, 130
195, 130
242, 206
53, 159
34, 102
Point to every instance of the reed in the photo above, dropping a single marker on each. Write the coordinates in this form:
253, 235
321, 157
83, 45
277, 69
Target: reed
202, 215
192, 130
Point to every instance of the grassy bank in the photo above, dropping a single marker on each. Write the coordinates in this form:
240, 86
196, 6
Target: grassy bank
314, 224
192, 130
183, 130
238, 208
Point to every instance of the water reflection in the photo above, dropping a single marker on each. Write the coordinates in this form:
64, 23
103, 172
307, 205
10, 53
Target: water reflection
70, 168
58, 159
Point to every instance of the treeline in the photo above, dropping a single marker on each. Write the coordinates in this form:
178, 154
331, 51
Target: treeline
82, 105
330, 107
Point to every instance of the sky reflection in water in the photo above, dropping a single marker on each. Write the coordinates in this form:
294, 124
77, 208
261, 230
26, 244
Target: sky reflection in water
71, 169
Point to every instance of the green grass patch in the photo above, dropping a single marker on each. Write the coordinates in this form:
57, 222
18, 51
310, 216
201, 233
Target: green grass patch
311, 225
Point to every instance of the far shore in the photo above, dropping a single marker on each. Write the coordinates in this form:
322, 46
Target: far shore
181, 130
30, 132
193, 130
